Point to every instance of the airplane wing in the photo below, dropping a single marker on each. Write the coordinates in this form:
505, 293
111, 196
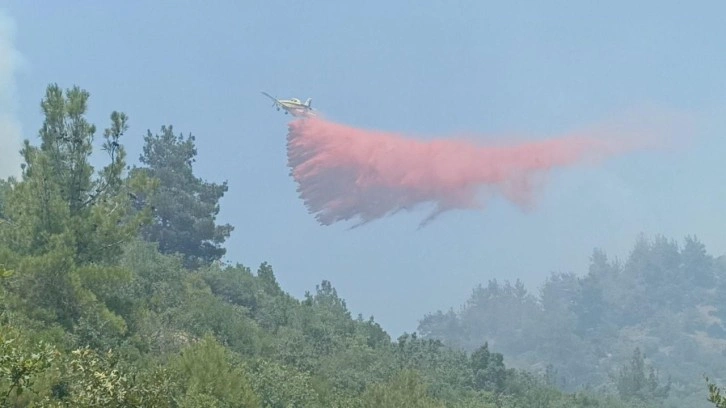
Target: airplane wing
271, 97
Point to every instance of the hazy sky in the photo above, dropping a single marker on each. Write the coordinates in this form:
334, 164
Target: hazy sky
431, 69
10, 133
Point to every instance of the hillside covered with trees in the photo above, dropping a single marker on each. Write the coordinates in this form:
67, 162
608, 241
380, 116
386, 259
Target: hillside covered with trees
113, 294
663, 309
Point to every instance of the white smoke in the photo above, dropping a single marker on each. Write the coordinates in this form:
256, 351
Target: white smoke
10, 134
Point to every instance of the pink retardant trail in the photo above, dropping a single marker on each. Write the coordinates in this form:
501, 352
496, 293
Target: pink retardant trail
345, 173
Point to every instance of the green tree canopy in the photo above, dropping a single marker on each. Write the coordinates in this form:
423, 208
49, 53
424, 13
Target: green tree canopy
185, 206
64, 227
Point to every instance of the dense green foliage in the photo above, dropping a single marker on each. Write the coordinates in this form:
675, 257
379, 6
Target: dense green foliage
184, 206
109, 296
648, 328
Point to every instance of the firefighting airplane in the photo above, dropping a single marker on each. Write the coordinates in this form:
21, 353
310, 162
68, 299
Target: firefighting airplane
292, 105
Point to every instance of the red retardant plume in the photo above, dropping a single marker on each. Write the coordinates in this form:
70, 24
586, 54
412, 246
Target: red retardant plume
345, 173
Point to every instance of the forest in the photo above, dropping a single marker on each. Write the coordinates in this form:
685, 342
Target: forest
113, 293
663, 307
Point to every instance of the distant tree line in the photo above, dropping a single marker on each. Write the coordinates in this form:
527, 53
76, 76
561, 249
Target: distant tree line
665, 301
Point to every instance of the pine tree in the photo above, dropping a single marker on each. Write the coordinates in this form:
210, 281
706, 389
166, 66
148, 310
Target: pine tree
64, 227
185, 206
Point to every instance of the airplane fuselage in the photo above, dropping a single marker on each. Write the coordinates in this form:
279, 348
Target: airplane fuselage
295, 109
293, 105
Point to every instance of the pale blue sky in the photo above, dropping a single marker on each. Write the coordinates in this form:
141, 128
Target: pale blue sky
428, 68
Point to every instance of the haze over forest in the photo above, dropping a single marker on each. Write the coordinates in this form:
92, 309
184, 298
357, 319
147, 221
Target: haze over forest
169, 239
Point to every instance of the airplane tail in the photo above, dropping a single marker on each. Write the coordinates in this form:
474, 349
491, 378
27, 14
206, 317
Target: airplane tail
309, 102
